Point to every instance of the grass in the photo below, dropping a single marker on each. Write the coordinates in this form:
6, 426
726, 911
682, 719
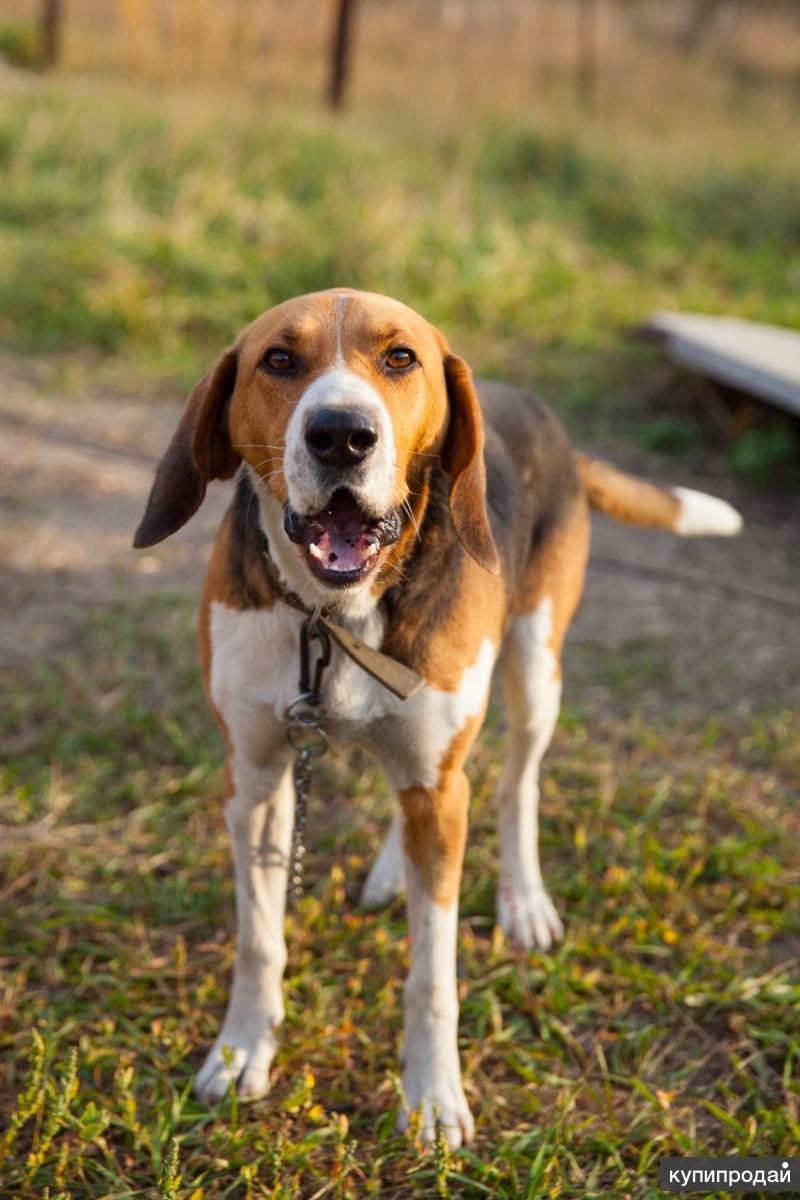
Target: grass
145, 232
667, 1023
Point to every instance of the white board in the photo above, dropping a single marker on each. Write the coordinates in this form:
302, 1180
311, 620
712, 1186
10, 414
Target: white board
762, 360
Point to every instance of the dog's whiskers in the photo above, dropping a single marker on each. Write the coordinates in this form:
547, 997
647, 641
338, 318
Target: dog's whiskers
271, 459
407, 508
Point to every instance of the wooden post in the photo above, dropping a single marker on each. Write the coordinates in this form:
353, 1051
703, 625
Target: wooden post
50, 33
586, 50
340, 52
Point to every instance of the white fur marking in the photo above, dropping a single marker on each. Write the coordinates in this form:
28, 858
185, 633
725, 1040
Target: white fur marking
432, 1074
254, 668
702, 514
339, 305
253, 653
259, 817
432, 719
533, 696
372, 482
387, 877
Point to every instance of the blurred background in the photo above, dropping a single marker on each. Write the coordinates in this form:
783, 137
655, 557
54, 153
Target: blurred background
536, 177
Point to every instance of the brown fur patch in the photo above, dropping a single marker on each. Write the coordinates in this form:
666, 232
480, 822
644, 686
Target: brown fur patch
435, 831
626, 498
445, 605
557, 568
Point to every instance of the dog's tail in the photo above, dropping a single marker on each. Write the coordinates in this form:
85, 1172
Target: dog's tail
681, 510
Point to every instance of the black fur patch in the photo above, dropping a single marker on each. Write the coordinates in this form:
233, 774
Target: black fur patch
247, 549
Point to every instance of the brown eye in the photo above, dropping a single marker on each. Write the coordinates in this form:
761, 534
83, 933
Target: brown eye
400, 358
279, 361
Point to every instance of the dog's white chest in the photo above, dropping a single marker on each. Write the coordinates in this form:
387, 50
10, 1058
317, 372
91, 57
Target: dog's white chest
255, 668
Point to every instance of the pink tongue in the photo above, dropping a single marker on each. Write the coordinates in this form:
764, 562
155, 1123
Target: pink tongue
338, 550
342, 545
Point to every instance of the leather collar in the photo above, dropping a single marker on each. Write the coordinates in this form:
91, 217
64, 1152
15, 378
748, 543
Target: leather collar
400, 680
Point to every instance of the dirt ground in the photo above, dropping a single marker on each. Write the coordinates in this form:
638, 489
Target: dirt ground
74, 475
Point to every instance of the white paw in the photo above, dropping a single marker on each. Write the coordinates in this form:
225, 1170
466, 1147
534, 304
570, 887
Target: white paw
382, 885
440, 1099
527, 916
236, 1058
387, 877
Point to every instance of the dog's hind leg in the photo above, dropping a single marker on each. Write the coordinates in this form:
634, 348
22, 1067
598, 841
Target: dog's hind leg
387, 877
259, 815
531, 668
532, 682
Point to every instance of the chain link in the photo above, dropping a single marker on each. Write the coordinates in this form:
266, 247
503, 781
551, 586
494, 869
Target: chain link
305, 717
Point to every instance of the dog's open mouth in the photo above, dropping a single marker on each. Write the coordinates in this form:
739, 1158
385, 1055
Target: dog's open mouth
341, 543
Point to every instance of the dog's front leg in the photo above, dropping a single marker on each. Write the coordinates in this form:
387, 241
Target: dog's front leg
434, 838
259, 815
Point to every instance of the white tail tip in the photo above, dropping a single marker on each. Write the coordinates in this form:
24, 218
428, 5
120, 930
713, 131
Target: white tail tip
701, 514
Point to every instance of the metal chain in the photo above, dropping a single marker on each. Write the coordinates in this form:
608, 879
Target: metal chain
307, 737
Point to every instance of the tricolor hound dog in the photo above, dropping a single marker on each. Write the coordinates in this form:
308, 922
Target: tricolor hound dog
446, 523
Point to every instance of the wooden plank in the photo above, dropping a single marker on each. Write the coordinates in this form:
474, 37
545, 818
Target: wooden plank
762, 360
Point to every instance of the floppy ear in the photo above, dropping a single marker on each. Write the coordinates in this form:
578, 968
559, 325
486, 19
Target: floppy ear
462, 460
200, 450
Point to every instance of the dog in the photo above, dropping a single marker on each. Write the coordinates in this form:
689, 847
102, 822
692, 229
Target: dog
442, 521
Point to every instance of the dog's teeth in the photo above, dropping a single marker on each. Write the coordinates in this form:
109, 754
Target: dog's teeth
314, 550
372, 550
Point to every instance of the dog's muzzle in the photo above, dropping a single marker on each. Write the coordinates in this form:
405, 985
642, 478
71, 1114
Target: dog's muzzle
341, 542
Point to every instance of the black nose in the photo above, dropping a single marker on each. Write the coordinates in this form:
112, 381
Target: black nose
340, 437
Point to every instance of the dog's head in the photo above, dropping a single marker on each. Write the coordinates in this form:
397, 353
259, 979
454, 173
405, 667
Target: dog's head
338, 403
